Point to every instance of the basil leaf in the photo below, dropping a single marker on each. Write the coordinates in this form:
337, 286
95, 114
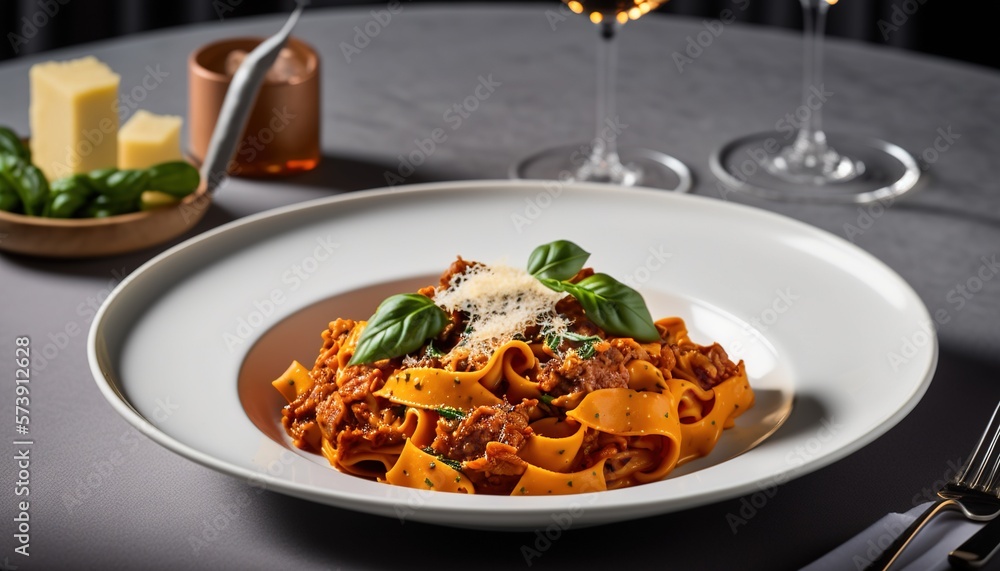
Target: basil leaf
559, 260
177, 178
400, 325
554, 284
10, 200
68, 195
102, 205
28, 181
614, 307
98, 179
64, 204
126, 186
10, 144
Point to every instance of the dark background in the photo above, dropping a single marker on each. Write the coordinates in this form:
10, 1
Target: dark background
955, 29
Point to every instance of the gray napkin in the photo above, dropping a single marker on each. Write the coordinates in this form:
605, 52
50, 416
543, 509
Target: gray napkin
928, 551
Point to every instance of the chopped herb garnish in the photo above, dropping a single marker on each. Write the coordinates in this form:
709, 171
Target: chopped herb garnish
562, 451
547, 399
453, 464
597, 415
586, 349
523, 490
553, 341
450, 413
580, 338
429, 483
666, 415
570, 483
433, 351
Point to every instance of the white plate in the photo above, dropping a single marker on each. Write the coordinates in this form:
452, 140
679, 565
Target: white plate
812, 315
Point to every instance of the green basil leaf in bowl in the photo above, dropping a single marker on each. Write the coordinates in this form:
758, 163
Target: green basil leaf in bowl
28, 181
176, 178
11, 144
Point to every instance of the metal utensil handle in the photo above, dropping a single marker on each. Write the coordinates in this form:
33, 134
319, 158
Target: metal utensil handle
239, 100
978, 549
895, 549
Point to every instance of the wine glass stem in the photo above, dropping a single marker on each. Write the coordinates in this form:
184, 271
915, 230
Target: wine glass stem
811, 134
604, 155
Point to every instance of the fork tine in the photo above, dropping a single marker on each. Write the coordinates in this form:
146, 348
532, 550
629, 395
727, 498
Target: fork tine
985, 457
990, 485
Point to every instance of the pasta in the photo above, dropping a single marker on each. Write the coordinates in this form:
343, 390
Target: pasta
518, 392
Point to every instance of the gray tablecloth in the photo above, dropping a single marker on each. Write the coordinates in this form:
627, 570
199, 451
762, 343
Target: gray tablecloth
103, 496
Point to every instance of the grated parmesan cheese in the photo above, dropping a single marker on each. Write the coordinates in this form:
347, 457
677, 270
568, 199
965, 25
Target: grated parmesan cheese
502, 302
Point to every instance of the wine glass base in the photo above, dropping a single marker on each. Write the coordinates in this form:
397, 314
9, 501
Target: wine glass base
884, 170
645, 167
795, 164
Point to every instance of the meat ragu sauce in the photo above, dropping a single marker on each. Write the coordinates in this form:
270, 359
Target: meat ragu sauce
343, 418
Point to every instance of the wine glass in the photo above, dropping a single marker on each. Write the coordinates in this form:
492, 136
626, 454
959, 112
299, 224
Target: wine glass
602, 160
816, 166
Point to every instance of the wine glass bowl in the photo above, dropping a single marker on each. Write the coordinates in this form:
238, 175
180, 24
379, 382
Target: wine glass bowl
604, 161
619, 10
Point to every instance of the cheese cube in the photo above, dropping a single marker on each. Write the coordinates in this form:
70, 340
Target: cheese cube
74, 116
147, 139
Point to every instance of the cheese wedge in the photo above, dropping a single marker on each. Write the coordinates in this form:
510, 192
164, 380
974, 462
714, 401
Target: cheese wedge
147, 139
74, 116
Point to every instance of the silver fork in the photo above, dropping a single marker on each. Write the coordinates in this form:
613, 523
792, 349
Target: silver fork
974, 491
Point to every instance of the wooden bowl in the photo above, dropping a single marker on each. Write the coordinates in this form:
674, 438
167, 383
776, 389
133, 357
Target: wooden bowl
94, 237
